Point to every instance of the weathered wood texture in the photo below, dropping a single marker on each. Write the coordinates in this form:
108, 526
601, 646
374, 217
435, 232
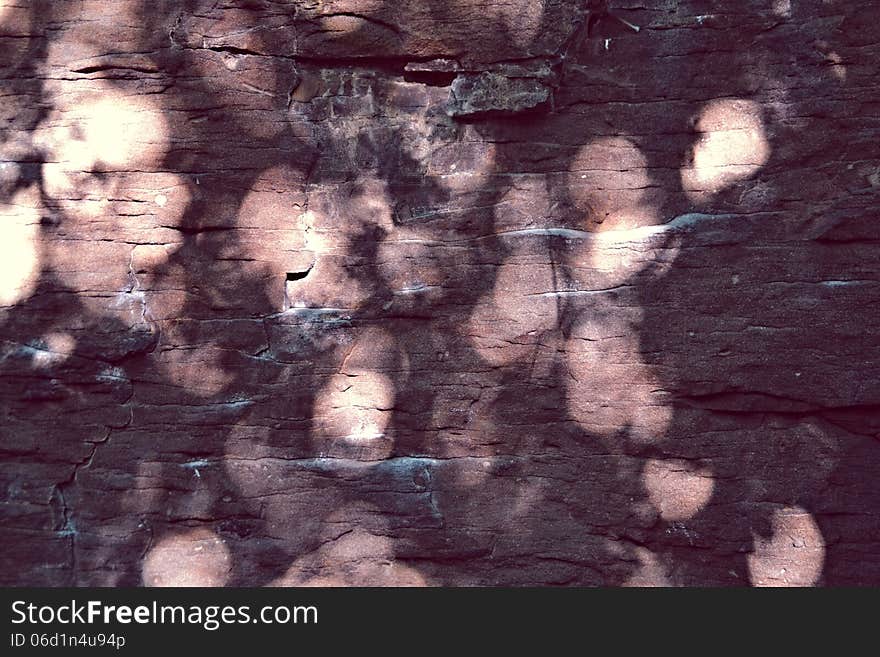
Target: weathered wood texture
440, 292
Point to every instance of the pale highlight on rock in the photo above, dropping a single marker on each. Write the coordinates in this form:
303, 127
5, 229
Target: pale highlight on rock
355, 407
731, 146
357, 558
94, 140
57, 347
195, 558
651, 571
607, 180
793, 554
109, 128
611, 391
19, 247
677, 489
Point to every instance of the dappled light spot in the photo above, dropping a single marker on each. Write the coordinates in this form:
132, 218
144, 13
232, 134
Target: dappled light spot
506, 323
793, 554
611, 391
147, 258
19, 246
838, 69
13, 13
270, 235
121, 305
782, 8
355, 407
616, 256
677, 489
195, 558
650, 572
608, 181
354, 558
338, 231
834, 61
107, 128
731, 145
53, 349
346, 16
267, 226
93, 141
16, 18
343, 24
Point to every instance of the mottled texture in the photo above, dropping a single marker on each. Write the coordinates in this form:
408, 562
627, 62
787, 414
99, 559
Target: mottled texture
439, 292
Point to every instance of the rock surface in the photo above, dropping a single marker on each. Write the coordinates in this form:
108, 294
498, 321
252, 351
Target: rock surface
440, 292
498, 93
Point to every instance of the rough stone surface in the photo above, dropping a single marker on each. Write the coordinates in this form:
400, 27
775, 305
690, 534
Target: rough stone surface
493, 93
272, 312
